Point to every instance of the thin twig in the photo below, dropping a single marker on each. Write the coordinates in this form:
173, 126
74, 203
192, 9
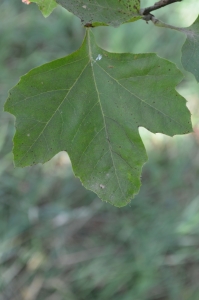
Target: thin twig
158, 5
159, 23
188, 32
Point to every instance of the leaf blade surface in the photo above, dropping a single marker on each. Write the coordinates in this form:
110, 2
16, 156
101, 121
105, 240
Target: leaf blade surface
91, 104
46, 6
103, 12
190, 49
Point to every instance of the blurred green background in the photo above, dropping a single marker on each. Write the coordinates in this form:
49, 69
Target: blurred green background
59, 241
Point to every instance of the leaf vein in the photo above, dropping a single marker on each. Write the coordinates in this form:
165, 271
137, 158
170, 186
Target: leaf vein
83, 153
139, 97
105, 126
55, 111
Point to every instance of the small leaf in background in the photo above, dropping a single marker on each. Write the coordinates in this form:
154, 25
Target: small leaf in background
46, 6
91, 104
190, 49
103, 12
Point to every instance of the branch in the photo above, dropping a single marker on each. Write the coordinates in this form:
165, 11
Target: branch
188, 32
159, 23
158, 5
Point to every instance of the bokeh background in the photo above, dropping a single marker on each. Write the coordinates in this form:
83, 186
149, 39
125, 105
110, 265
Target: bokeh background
59, 241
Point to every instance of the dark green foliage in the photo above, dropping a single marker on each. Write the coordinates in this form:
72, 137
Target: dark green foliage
56, 238
102, 12
190, 49
91, 105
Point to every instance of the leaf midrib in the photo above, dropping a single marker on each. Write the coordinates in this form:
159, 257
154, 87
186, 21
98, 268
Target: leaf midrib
103, 115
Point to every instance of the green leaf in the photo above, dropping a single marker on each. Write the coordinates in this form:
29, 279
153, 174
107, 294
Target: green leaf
46, 6
91, 104
103, 12
190, 49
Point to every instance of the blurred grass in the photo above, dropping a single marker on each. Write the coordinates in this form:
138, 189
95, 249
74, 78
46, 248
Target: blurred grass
57, 240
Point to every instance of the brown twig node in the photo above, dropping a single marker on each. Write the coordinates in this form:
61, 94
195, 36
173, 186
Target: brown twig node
158, 5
